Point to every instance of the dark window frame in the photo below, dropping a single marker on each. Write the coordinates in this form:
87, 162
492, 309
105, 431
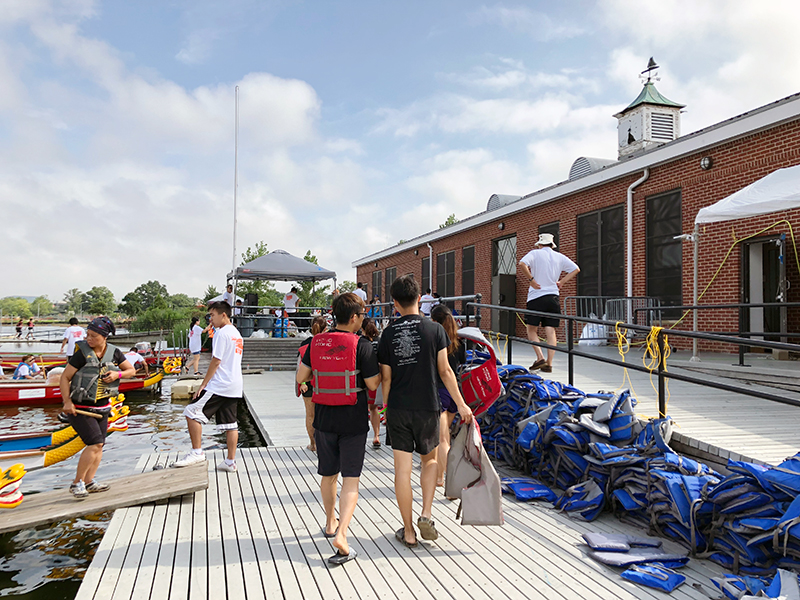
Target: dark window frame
390, 276
377, 286
426, 274
602, 258
662, 224
446, 274
467, 276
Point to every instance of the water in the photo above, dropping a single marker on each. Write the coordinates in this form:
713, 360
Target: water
48, 562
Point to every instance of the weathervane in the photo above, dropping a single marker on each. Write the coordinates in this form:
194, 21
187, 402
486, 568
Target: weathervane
649, 71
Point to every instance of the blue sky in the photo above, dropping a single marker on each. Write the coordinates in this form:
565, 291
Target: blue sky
361, 122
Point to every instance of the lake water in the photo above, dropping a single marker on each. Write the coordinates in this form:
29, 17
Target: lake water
48, 562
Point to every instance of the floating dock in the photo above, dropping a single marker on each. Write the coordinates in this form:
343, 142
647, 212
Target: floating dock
258, 534
143, 487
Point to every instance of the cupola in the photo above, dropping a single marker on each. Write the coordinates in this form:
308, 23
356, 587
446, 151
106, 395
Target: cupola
650, 120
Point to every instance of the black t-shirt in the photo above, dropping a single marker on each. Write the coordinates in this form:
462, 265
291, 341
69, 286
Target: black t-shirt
353, 418
78, 360
410, 347
459, 357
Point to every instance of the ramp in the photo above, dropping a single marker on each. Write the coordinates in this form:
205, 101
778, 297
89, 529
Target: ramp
139, 488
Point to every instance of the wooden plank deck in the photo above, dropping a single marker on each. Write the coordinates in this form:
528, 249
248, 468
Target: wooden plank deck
50, 507
258, 534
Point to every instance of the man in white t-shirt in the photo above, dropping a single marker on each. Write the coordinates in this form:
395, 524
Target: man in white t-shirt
73, 333
542, 268
137, 362
220, 392
290, 301
426, 303
227, 295
360, 292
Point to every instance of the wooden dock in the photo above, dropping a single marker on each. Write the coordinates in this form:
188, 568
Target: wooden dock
257, 534
50, 507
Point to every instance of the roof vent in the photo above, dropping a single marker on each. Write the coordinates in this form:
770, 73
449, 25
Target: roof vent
499, 200
586, 165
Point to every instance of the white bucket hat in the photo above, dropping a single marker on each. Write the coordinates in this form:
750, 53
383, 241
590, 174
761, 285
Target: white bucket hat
546, 239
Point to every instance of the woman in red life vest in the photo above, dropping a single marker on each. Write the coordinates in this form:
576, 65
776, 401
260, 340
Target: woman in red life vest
343, 366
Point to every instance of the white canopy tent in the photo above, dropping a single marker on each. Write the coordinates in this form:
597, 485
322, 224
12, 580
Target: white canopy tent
780, 190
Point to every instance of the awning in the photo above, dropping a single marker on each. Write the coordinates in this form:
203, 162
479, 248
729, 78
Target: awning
780, 190
279, 265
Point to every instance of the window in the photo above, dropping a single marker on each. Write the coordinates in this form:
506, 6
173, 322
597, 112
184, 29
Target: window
664, 252
467, 276
426, 274
504, 256
391, 275
446, 274
601, 253
552, 228
377, 283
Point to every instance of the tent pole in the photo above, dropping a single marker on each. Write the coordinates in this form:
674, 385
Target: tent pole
696, 244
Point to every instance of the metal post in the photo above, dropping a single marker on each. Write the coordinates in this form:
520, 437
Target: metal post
696, 244
235, 179
510, 342
570, 358
478, 311
662, 391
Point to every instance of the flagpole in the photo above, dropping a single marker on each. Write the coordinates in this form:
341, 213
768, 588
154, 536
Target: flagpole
235, 186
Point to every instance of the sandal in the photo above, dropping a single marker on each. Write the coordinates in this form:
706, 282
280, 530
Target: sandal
340, 559
329, 535
376, 444
400, 535
427, 529
537, 365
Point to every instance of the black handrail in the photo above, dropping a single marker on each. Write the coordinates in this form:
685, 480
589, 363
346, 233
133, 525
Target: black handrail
661, 371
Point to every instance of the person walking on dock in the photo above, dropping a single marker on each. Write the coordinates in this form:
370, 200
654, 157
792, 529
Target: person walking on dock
88, 383
73, 333
306, 389
19, 329
195, 345
30, 329
413, 357
542, 268
220, 392
374, 398
344, 367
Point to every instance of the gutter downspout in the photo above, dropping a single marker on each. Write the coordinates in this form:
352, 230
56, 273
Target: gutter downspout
430, 266
629, 248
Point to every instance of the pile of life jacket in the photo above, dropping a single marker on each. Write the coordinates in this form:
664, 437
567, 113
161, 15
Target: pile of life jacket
595, 455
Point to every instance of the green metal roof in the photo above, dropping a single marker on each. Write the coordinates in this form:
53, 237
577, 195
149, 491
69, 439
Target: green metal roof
650, 95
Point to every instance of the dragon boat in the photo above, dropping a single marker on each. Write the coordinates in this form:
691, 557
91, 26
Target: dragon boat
38, 392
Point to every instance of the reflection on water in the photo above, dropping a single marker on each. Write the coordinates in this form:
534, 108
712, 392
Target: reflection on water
48, 562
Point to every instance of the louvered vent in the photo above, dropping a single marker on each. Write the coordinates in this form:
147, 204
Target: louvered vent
662, 127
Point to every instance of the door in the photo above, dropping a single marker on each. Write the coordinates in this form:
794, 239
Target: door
764, 281
504, 283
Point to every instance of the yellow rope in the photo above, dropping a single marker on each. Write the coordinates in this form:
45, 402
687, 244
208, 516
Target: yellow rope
652, 358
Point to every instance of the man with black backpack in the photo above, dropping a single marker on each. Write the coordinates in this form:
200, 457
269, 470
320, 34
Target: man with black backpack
343, 367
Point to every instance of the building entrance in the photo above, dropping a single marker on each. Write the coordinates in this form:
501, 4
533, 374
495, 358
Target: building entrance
764, 280
504, 283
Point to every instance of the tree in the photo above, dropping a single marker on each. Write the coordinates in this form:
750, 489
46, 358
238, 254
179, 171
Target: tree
347, 286
309, 293
144, 297
182, 301
100, 301
42, 306
267, 294
451, 220
13, 306
74, 299
211, 292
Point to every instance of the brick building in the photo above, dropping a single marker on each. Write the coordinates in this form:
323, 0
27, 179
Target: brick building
677, 175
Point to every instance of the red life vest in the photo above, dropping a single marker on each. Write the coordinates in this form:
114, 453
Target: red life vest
333, 362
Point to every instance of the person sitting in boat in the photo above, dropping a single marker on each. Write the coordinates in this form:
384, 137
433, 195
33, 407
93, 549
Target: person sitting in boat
138, 362
88, 383
27, 368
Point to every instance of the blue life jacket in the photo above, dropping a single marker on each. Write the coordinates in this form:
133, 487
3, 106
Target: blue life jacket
19, 368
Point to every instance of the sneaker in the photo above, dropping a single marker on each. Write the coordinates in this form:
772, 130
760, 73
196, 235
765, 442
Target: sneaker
190, 459
94, 486
78, 490
223, 466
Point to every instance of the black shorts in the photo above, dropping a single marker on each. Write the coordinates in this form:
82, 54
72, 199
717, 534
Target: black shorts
413, 430
224, 409
548, 304
340, 453
91, 431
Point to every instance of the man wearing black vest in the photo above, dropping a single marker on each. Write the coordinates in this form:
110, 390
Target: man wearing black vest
343, 366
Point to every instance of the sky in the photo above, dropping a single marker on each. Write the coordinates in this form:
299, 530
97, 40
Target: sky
361, 123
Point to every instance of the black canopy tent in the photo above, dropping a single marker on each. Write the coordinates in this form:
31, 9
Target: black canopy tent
279, 265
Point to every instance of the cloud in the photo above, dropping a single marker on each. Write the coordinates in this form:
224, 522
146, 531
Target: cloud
197, 47
522, 19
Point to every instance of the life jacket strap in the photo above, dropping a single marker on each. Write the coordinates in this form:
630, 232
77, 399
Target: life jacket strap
346, 390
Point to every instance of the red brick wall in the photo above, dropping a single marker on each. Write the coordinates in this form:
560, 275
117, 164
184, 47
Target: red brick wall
736, 164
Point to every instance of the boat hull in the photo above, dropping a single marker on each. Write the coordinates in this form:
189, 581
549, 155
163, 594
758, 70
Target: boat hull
36, 393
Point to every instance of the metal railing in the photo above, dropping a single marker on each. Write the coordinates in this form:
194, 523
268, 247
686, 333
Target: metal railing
662, 373
638, 310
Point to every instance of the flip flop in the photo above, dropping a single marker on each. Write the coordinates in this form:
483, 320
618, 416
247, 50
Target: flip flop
329, 535
427, 529
400, 536
376, 444
340, 559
